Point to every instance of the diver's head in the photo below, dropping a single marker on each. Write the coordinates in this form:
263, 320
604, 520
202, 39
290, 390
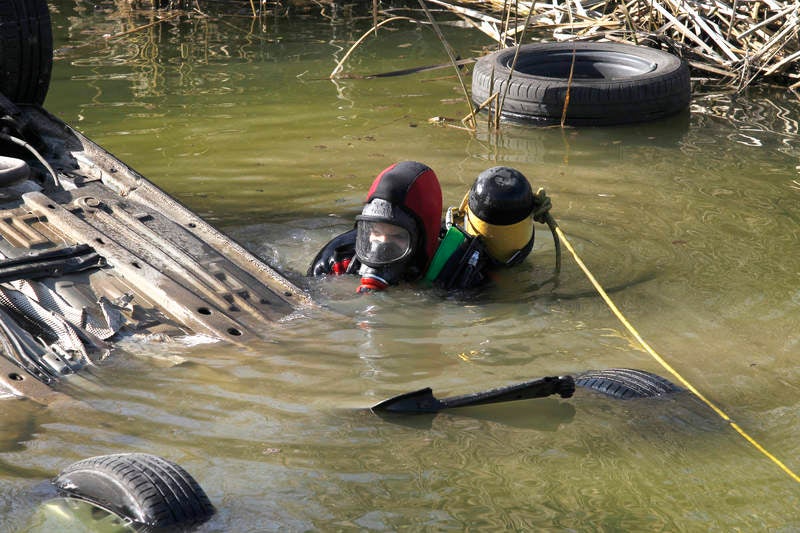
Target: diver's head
398, 228
386, 239
499, 208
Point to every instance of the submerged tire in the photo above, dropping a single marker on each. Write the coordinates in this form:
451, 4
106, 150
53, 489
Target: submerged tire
626, 383
146, 489
26, 50
612, 83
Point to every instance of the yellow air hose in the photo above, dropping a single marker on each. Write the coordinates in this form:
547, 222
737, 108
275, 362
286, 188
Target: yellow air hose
667, 366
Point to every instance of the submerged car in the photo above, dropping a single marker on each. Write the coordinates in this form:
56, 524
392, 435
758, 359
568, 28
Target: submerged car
90, 249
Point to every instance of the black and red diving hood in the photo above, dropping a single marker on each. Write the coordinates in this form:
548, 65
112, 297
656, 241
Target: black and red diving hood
413, 189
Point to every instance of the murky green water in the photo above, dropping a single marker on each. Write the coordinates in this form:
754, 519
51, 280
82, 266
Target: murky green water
691, 223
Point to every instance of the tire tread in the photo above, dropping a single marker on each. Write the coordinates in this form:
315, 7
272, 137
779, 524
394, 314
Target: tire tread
26, 41
165, 494
626, 383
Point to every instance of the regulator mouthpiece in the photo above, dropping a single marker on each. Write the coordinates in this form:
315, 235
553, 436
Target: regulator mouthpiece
371, 284
371, 280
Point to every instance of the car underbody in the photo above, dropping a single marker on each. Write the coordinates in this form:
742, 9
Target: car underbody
91, 251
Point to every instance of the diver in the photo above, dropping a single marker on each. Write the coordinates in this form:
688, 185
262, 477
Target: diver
398, 236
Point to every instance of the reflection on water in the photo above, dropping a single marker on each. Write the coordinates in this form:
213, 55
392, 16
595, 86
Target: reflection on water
690, 222
758, 117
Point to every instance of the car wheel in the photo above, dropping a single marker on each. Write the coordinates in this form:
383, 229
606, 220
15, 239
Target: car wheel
148, 490
26, 41
626, 383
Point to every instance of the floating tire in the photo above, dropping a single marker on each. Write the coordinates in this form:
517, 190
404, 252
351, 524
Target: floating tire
148, 490
26, 42
612, 83
626, 383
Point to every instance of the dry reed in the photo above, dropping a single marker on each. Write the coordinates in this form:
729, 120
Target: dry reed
733, 44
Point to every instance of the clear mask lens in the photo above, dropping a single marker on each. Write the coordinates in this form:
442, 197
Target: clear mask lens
381, 243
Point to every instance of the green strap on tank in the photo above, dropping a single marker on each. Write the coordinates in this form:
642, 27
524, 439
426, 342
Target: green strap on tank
452, 240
